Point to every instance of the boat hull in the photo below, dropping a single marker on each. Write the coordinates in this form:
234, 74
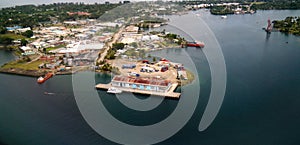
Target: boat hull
45, 78
200, 45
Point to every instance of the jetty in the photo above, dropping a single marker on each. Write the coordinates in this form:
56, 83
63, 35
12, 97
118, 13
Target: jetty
169, 93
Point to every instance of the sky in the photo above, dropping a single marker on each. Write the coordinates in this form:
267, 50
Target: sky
10, 3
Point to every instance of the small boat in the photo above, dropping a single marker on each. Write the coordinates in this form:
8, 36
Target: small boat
224, 17
47, 93
114, 90
41, 79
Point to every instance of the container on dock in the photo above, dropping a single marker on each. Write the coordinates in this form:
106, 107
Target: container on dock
128, 66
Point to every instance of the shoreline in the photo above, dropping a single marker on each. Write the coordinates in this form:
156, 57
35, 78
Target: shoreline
20, 72
30, 73
38, 73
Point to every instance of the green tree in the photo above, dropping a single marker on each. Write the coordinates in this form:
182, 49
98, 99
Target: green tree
28, 33
154, 59
45, 51
134, 44
106, 67
163, 31
117, 46
6, 40
110, 54
24, 42
3, 30
171, 36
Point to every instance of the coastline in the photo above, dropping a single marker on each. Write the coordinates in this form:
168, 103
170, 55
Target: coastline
15, 67
21, 72
41, 72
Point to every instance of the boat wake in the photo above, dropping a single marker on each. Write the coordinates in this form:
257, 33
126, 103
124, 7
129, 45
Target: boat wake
48, 93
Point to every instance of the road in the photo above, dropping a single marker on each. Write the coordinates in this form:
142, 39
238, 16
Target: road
37, 58
108, 45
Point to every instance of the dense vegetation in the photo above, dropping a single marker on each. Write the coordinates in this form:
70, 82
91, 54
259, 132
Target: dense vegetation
277, 4
221, 10
288, 25
31, 15
107, 67
111, 52
257, 5
118, 46
141, 11
175, 38
7, 38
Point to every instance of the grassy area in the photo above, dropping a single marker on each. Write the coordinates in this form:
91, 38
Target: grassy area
53, 48
108, 29
131, 52
23, 65
166, 44
12, 36
31, 39
258, 3
190, 76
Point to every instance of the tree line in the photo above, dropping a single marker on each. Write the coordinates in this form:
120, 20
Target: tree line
32, 15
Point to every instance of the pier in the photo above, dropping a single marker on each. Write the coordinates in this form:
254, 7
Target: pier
170, 93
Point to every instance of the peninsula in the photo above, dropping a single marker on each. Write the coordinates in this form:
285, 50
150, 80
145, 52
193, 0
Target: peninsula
107, 44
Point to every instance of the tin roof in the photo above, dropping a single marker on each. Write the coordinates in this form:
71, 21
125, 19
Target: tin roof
139, 80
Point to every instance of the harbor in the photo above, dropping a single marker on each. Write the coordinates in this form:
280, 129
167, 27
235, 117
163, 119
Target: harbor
142, 86
262, 92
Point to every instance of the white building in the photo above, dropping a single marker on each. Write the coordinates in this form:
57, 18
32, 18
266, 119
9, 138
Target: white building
154, 37
147, 84
22, 30
27, 50
131, 30
108, 24
128, 40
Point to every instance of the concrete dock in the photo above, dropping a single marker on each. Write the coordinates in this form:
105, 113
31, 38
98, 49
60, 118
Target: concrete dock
169, 94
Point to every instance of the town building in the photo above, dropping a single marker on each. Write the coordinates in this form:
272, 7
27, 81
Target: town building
146, 84
131, 29
27, 50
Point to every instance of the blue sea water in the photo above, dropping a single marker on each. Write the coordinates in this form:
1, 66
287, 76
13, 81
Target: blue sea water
261, 104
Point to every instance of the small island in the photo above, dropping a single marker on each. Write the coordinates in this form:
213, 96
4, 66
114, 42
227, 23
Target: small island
290, 25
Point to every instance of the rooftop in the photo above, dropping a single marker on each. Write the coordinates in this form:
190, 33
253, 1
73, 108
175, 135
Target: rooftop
146, 81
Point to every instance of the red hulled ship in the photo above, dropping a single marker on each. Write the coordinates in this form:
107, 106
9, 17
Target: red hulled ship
41, 79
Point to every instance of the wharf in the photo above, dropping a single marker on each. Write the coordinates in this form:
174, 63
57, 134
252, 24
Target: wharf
169, 94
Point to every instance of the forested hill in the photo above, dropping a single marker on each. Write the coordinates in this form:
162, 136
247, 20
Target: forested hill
32, 15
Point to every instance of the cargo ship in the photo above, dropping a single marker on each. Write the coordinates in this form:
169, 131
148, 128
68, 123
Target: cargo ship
195, 44
41, 79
